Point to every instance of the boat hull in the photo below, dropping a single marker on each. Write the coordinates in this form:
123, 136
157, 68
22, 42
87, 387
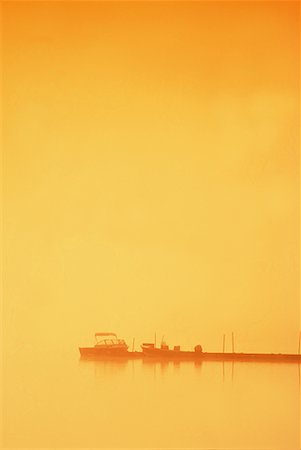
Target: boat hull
100, 353
88, 352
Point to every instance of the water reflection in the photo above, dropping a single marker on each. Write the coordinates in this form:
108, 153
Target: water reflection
164, 363
160, 367
230, 364
163, 404
104, 367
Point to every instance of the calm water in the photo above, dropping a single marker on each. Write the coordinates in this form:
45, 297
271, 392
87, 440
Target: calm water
64, 402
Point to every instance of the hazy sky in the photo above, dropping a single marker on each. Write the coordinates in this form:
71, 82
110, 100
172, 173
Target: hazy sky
152, 172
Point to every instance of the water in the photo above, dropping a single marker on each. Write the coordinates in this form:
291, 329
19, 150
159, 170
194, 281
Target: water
60, 401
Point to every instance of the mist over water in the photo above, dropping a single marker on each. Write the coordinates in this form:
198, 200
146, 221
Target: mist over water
145, 404
151, 184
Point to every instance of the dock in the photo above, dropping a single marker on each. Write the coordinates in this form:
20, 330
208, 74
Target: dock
170, 355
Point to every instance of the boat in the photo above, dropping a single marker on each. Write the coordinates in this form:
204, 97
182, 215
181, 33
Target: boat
107, 345
164, 352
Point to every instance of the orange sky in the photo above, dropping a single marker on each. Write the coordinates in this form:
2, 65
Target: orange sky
152, 171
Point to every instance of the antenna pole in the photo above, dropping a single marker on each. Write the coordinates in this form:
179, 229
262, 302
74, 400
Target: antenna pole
155, 339
232, 342
299, 343
224, 342
133, 346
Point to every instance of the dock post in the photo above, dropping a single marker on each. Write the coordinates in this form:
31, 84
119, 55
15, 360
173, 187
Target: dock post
233, 342
224, 342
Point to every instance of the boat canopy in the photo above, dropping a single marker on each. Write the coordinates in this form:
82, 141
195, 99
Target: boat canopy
105, 334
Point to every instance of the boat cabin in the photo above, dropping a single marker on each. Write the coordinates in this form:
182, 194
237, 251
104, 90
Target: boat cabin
106, 342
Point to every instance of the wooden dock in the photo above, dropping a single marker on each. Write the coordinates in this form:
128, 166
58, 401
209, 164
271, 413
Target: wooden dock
171, 355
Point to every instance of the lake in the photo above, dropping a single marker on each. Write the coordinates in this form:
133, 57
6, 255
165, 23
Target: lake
60, 401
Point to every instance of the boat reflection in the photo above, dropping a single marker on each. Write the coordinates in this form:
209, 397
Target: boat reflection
107, 367
104, 367
164, 364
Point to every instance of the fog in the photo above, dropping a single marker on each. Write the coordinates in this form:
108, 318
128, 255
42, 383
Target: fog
151, 175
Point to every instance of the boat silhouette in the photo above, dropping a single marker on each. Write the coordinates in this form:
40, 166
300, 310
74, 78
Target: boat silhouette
109, 346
